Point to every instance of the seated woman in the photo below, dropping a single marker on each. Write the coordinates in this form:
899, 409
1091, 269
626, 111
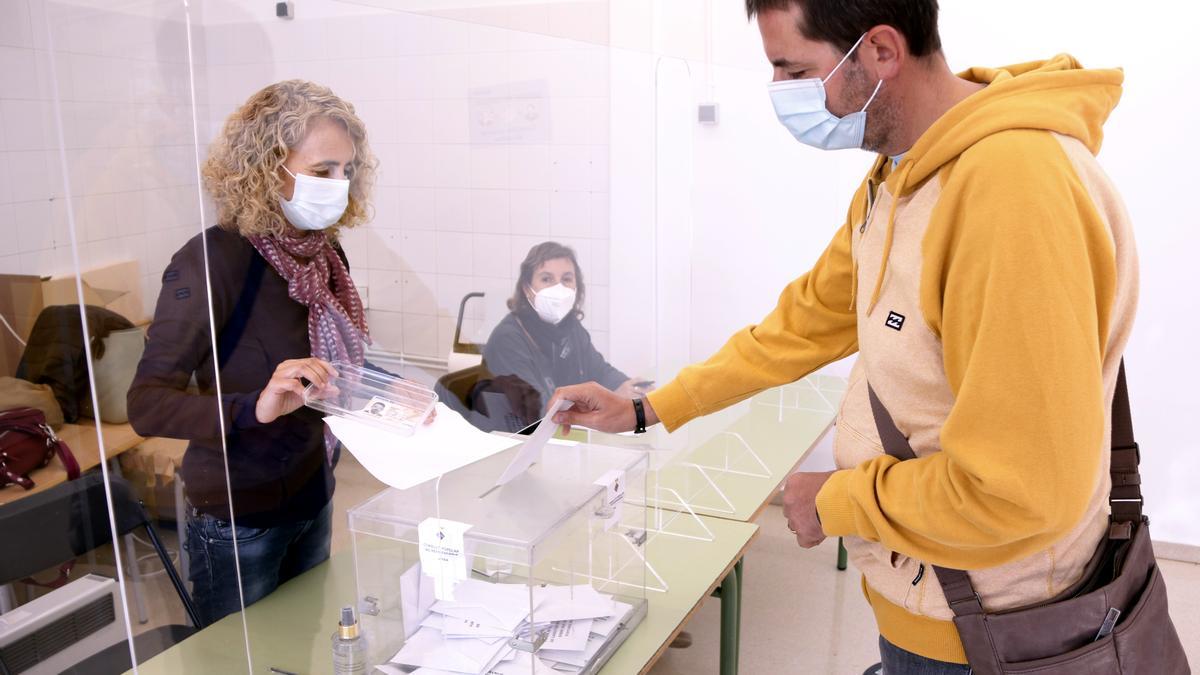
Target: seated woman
290, 169
542, 340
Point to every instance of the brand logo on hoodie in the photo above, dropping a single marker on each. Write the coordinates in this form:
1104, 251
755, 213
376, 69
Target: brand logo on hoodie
895, 321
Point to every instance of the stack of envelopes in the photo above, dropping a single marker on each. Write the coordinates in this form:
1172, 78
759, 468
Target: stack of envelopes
472, 633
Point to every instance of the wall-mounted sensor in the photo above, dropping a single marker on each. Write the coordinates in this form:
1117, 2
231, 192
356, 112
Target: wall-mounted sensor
285, 10
707, 113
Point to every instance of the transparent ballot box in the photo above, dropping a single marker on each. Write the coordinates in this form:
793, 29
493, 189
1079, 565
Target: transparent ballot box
377, 398
546, 573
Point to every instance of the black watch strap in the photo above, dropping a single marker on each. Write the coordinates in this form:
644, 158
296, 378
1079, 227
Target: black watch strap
639, 411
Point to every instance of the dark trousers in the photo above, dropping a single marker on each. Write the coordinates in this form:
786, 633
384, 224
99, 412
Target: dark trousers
268, 556
897, 661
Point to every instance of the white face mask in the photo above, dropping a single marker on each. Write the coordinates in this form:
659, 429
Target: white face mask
554, 303
800, 106
316, 203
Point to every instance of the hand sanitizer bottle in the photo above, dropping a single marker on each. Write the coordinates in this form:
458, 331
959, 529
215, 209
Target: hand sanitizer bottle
349, 647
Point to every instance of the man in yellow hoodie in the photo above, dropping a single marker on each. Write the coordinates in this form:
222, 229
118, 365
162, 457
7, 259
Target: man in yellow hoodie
985, 274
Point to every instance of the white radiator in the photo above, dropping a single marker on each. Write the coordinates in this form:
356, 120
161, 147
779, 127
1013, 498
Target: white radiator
61, 628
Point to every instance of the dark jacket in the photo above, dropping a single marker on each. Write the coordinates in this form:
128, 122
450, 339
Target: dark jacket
547, 356
55, 355
278, 471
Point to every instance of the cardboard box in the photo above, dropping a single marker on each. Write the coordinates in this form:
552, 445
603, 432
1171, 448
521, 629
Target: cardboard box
20, 303
117, 287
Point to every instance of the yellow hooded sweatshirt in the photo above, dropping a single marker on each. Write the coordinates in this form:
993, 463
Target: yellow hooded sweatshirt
989, 283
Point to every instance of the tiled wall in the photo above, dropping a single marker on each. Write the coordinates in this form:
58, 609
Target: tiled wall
123, 81
456, 208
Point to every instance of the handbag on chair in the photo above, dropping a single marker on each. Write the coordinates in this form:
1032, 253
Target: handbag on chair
1114, 620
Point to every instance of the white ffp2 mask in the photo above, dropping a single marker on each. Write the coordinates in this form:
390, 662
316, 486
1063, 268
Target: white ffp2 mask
800, 106
316, 203
554, 303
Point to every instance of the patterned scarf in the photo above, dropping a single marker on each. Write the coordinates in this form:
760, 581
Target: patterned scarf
318, 279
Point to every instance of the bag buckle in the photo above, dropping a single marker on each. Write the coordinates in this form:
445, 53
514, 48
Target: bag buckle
49, 432
1120, 530
1137, 451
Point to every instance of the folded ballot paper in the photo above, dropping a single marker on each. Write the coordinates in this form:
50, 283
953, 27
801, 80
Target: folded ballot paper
433, 449
410, 457
472, 633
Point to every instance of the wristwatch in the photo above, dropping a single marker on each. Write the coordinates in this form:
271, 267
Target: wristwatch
639, 412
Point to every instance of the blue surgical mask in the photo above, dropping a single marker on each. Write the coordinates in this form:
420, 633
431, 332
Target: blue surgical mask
800, 106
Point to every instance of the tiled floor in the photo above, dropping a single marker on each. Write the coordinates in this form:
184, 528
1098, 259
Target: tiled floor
800, 615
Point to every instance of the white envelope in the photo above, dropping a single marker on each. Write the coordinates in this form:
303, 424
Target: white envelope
509, 603
568, 635
569, 603
428, 649
488, 617
574, 658
604, 627
521, 666
454, 627
416, 596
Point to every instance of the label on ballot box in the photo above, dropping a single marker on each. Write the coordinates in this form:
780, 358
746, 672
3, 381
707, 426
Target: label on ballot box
442, 554
614, 495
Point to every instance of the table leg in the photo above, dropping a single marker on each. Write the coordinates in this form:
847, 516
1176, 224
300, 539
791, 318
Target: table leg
842, 555
731, 606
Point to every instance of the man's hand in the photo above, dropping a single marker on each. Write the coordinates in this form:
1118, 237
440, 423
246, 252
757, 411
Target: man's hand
284, 393
597, 408
800, 506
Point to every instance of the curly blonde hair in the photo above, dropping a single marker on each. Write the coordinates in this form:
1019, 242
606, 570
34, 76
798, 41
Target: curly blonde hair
242, 170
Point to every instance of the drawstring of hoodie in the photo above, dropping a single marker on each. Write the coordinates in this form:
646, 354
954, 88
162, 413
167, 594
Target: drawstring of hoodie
887, 242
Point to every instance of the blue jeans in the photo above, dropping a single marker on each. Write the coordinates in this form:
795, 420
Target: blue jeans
269, 556
897, 661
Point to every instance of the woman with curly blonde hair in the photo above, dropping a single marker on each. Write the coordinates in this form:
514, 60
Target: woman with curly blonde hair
290, 169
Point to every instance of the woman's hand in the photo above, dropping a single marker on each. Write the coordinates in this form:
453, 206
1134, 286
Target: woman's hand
284, 393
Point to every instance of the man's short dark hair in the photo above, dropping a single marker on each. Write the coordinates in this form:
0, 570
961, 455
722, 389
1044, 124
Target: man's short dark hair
842, 22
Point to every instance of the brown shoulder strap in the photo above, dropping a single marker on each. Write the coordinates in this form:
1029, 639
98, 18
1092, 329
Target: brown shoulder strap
1125, 498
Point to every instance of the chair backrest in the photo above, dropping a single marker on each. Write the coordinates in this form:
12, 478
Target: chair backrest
62, 523
68, 520
461, 383
459, 346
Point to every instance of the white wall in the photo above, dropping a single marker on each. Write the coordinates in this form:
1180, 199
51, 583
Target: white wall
765, 206
122, 78
452, 214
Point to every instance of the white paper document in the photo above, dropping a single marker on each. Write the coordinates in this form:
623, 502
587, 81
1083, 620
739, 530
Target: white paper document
416, 597
532, 448
428, 649
432, 450
577, 659
604, 627
471, 633
572, 635
570, 603
520, 665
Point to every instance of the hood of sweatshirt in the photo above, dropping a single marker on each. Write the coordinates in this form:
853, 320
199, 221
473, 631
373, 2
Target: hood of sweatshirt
1057, 95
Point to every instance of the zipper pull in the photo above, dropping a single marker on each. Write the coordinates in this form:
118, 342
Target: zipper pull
920, 574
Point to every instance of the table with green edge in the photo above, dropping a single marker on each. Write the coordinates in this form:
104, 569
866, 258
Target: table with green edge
781, 426
290, 629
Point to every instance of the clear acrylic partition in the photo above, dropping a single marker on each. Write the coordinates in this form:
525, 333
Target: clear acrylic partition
722, 208
490, 123
100, 189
